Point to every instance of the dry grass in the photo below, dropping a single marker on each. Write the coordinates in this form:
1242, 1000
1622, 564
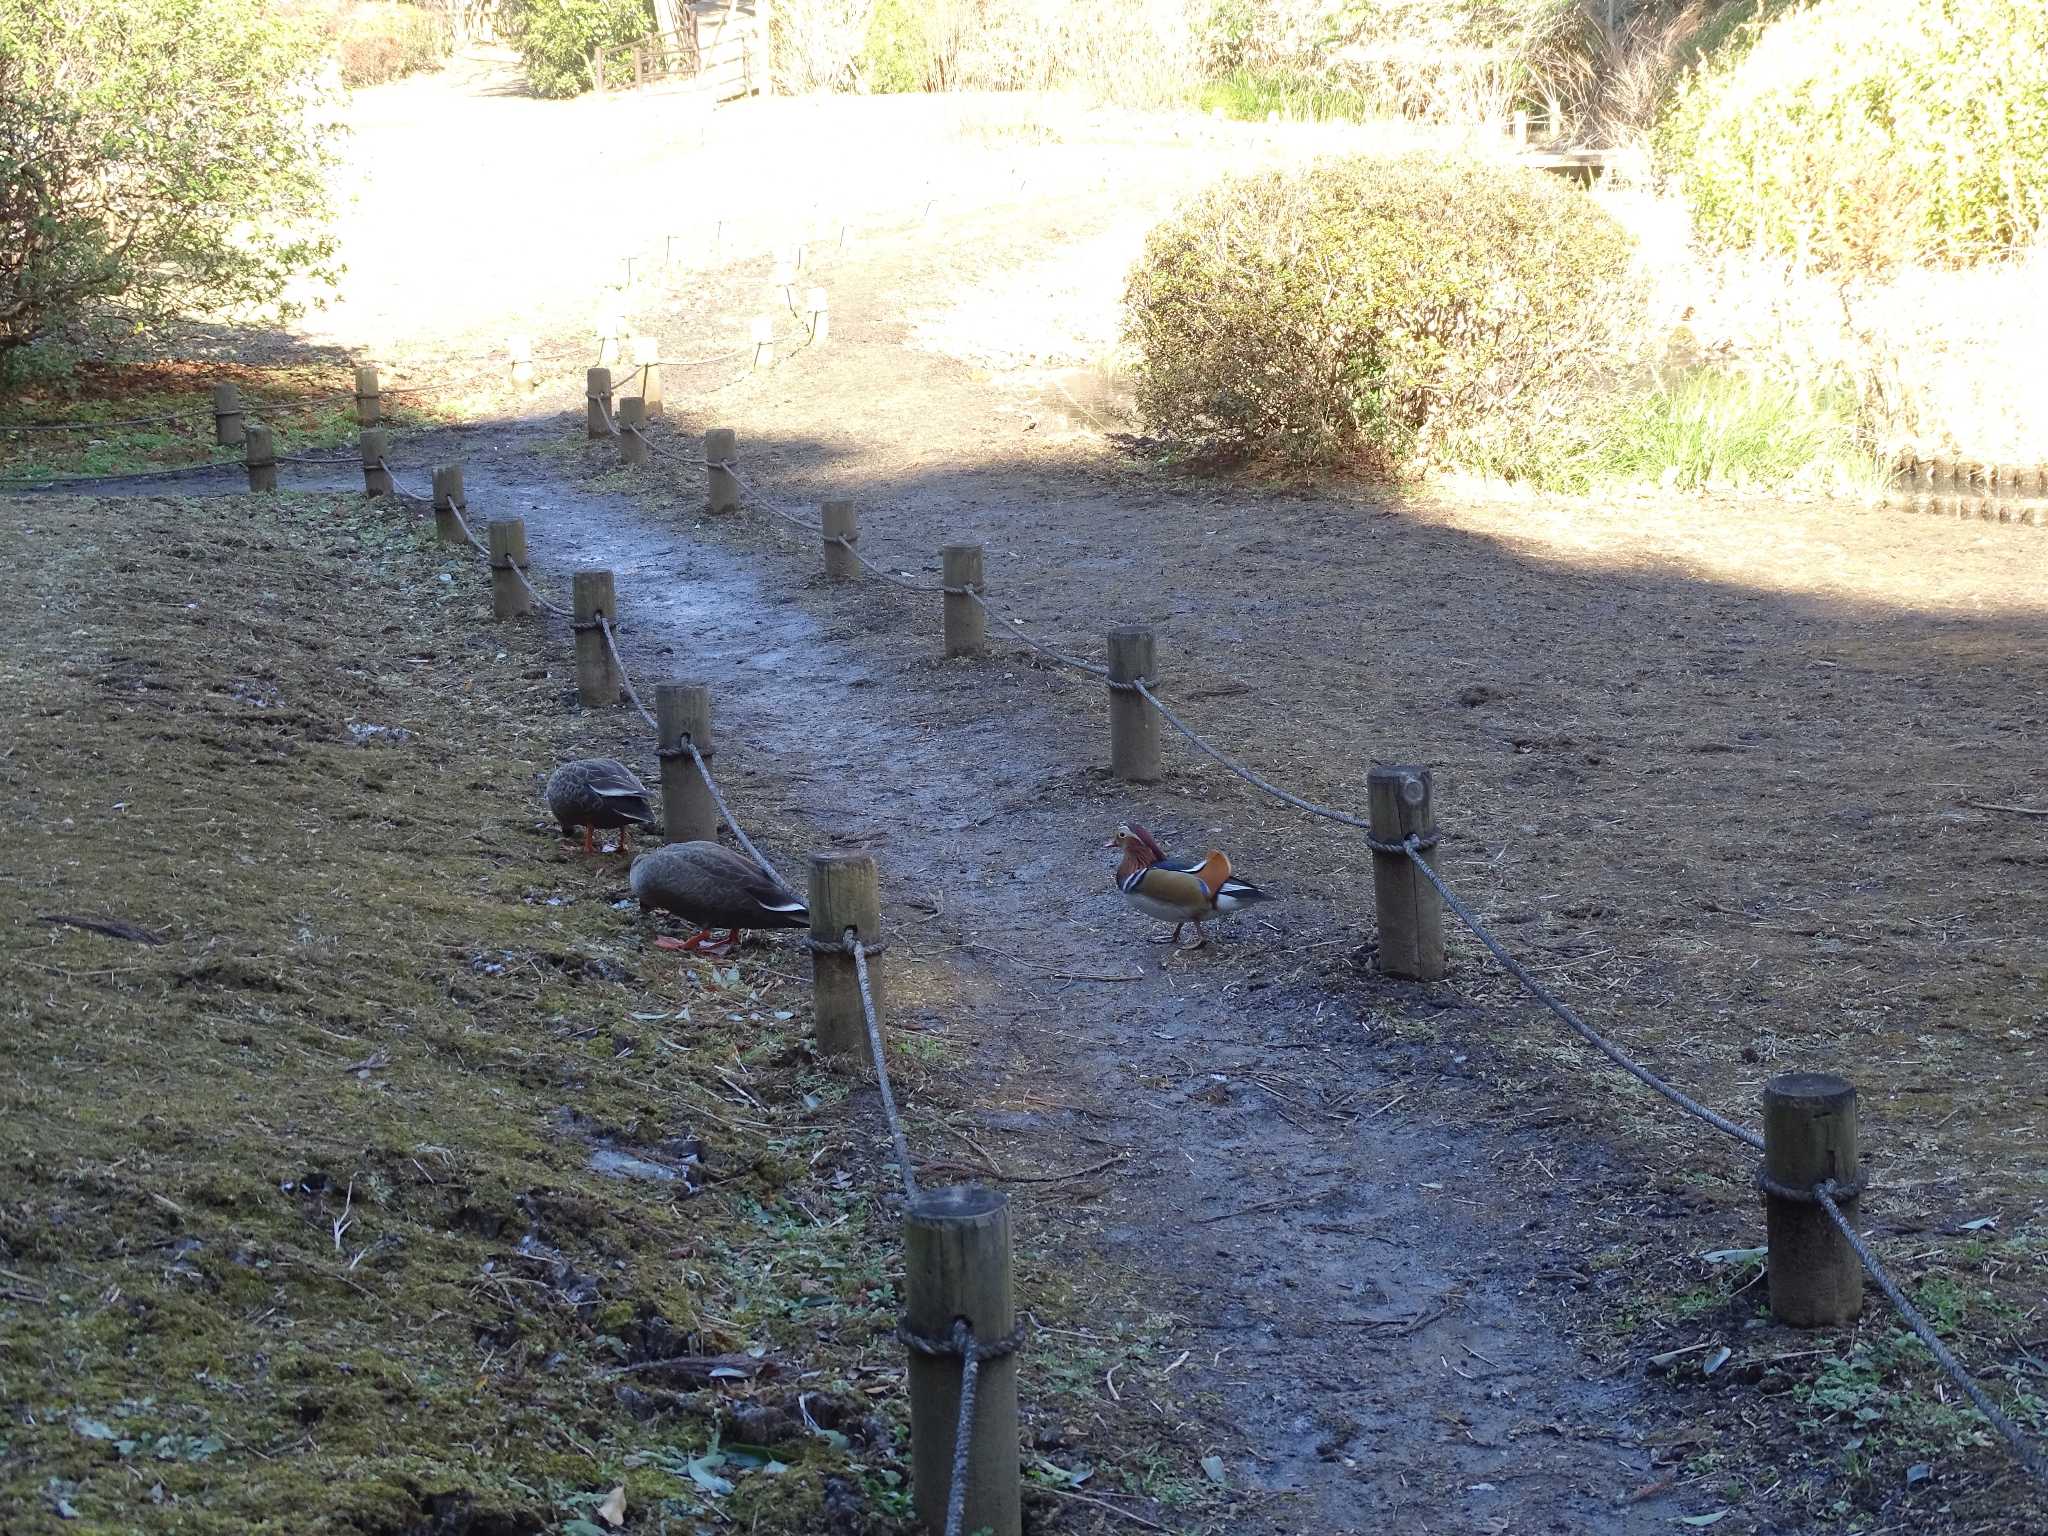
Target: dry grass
305, 1210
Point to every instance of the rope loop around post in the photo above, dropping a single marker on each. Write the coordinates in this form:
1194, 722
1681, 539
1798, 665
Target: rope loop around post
954, 1348
1415, 842
1835, 1188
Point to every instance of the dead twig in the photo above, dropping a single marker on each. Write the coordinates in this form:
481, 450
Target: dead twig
111, 927
2040, 812
1115, 1509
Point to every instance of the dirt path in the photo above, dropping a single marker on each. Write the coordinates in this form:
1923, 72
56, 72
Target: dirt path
1704, 766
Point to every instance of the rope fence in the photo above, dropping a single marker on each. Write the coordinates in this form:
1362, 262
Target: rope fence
960, 1313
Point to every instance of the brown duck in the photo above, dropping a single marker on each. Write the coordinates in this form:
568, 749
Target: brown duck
594, 792
710, 885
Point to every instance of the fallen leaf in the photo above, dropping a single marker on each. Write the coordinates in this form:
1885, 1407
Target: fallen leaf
1919, 1472
1213, 1465
704, 1473
1714, 1519
1735, 1256
93, 1429
1980, 1224
613, 1510
1715, 1361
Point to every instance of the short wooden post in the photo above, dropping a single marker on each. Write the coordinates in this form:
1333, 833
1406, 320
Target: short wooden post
1810, 1136
2027, 481
1944, 476
956, 1265
721, 447
966, 620
1133, 724
229, 429
608, 327
1521, 128
688, 813
449, 500
764, 341
521, 348
597, 679
837, 520
1983, 477
646, 356
260, 458
632, 416
2005, 480
376, 478
784, 279
597, 394
369, 403
844, 894
509, 597
814, 301
1411, 912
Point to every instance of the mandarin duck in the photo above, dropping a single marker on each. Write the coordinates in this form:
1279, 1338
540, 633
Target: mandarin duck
710, 885
592, 792
1179, 890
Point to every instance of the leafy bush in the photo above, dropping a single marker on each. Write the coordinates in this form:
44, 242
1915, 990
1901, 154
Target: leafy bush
558, 38
1867, 134
1359, 311
378, 42
157, 158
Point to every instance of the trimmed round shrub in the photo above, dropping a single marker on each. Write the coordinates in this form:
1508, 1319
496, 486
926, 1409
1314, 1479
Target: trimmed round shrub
1871, 133
1364, 312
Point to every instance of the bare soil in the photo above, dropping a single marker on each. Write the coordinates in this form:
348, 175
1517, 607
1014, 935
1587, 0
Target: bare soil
1719, 770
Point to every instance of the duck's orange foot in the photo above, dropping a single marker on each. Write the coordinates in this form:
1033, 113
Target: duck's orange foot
696, 944
723, 947
1169, 938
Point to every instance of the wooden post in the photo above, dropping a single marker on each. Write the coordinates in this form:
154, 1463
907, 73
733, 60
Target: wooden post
1521, 128
721, 446
632, 416
764, 341
509, 597
2027, 481
1983, 477
688, 813
784, 278
1943, 473
844, 894
814, 301
2005, 480
229, 430
838, 523
608, 328
1809, 1136
376, 478
1411, 912
448, 501
1133, 724
597, 394
956, 1264
369, 404
966, 620
597, 679
521, 348
260, 458
646, 356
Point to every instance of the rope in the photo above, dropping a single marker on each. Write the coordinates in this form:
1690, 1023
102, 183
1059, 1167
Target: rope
1585, 1031
52, 482
108, 426
851, 938
2029, 1455
1045, 650
963, 1431
726, 811
1243, 772
461, 523
875, 570
625, 679
295, 458
534, 592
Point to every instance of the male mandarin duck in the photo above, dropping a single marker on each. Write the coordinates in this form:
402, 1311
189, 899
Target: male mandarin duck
591, 792
1179, 890
710, 885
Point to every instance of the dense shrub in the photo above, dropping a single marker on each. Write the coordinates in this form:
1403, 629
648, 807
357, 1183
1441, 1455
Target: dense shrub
1358, 311
1865, 134
158, 158
376, 42
558, 38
